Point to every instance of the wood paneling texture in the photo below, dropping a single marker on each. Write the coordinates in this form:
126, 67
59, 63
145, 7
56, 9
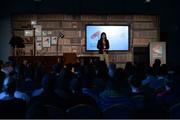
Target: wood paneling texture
144, 29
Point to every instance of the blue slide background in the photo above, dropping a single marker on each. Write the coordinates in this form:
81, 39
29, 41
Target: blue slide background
118, 37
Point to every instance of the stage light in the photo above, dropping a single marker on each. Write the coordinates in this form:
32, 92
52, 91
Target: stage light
147, 1
61, 35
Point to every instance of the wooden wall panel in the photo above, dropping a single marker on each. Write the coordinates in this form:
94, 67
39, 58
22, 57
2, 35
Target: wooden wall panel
145, 25
93, 18
28, 17
143, 30
146, 34
50, 25
49, 17
143, 18
119, 18
21, 24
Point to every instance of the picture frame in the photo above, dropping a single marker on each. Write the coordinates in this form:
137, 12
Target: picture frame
38, 39
46, 42
38, 43
28, 33
54, 40
28, 40
38, 29
38, 46
44, 33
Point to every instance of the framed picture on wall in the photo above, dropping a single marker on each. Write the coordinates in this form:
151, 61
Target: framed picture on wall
28, 40
49, 32
28, 33
38, 29
54, 40
46, 42
44, 33
38, 45
38, 39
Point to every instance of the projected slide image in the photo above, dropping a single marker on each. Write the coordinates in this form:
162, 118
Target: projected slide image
118, 36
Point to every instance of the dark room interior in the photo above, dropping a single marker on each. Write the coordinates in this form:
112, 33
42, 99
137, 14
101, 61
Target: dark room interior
77, 76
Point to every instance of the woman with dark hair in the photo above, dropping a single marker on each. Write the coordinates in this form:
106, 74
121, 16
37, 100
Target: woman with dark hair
103, 46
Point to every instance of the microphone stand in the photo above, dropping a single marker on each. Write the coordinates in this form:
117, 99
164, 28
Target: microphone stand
57, 49
59, 36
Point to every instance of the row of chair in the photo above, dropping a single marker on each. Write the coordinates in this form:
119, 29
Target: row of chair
86, 111
80, 111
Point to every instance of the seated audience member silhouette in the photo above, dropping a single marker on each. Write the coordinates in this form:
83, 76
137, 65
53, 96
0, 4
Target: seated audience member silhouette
88, 86
116, 92
45, 94
101, 76
62, 83
20, 82
169, 96
11, 107
7, 68
20, 93
38, 74
135, 83
2, 76
67, 89
28, 77
82, 88
151, 108
111, 70
80, 98
129, 69
163, 95
62, 87
149, 77
159, 83
56, 68
156, 66
9, 86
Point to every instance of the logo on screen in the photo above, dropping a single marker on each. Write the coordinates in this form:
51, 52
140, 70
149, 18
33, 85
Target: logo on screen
96, 34
157, 49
